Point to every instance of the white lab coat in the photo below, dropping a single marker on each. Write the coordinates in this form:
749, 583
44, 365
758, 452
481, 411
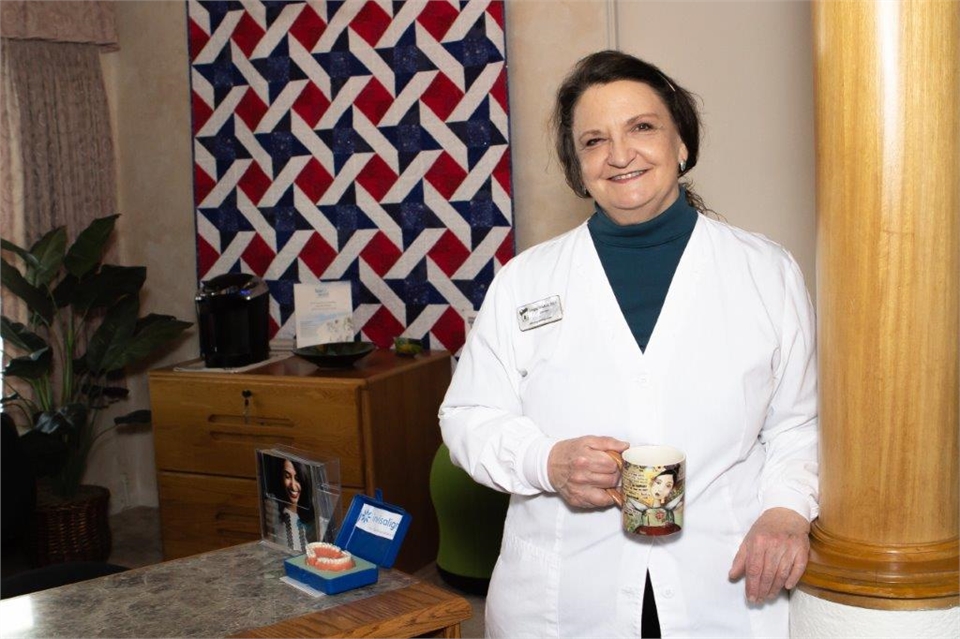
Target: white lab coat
729, 377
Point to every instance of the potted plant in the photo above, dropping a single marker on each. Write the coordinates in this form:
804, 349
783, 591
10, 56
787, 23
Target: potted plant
83, 330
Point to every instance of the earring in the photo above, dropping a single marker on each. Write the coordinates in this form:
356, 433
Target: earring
683, 165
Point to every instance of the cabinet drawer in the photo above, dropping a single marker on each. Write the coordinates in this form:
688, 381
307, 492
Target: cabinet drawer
216, 427
202, 513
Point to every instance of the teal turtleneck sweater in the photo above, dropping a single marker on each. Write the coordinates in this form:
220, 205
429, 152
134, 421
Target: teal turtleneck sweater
640, 260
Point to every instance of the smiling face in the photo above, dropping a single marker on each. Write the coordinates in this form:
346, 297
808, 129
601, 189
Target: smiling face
629, 150
291, 483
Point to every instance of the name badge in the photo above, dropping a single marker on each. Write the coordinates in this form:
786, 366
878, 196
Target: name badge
536, 314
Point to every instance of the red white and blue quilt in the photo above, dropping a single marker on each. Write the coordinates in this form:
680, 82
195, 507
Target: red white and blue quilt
363, 141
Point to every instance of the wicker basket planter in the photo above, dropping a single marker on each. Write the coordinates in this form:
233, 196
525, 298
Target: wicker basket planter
77, 529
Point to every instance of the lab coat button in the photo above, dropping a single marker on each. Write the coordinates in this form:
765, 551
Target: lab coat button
644, 379
668, 593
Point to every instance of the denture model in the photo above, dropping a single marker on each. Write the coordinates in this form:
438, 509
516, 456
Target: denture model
323, 556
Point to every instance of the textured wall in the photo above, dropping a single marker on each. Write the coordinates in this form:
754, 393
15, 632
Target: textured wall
820, 619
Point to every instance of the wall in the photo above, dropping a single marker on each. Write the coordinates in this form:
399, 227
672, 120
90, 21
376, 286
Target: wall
544, 39
752, 65
148, 90
749, 61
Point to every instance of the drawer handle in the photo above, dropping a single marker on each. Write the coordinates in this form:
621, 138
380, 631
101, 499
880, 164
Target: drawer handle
246, 438
236, 420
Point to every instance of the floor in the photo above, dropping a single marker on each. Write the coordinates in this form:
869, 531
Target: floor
136, 543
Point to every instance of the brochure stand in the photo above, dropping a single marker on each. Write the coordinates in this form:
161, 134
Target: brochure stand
299, 498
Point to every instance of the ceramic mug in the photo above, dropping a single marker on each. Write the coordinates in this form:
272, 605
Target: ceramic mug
651, 489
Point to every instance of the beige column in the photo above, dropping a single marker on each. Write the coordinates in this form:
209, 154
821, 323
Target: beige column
887, 80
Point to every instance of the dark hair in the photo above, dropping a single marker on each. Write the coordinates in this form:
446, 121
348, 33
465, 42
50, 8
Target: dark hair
279, 490
605, 67
668, 471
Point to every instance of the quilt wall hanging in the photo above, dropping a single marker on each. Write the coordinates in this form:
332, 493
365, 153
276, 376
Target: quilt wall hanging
363, 141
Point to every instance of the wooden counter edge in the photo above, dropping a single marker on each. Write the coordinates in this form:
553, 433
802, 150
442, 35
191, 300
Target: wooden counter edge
417, 610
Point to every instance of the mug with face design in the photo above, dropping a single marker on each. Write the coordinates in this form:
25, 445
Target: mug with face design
651, 489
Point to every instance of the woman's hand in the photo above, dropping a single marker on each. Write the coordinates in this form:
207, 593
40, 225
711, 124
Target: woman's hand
773, 555
580, 470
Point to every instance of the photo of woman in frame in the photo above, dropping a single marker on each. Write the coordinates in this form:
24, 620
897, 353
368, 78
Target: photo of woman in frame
289, 516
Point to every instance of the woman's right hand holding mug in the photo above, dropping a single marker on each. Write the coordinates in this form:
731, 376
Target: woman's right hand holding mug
581, 470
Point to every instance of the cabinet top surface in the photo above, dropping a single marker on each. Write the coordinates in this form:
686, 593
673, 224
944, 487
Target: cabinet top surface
382, 362
209, 595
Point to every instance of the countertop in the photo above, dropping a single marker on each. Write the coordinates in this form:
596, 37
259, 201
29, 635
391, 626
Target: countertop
214, 594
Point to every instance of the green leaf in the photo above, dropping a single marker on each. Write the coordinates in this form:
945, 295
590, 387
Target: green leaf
102, 396
80, 366
107, 286
136, 417
68, 420
87, 250
35, 298
112, 337
24, 254
65, 290
152, 332
36, 365
20, 336
112, 393
12, 398
49, 251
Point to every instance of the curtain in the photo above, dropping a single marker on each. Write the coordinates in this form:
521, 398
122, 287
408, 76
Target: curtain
11, 171
56, 156
90, 22
56, 144
63, 129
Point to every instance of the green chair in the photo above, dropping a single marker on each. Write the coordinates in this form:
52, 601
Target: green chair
471, 520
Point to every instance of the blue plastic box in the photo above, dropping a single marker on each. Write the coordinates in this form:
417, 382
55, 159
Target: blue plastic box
372, 532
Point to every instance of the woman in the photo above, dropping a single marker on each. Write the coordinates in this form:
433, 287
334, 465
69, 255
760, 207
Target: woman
649, 324
294, 525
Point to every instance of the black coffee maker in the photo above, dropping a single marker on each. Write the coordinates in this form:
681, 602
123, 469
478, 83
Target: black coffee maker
233, 315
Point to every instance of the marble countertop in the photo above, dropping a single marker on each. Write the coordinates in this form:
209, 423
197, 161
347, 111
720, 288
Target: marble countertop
213, 594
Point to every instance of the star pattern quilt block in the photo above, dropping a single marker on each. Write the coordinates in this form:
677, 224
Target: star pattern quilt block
363, 141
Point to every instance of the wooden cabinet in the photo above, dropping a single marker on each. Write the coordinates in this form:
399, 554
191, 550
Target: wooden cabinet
378, 418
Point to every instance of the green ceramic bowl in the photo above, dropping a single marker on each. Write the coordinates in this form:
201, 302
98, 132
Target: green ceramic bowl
335, 354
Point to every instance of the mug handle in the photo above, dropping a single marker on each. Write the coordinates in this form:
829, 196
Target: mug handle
614, 492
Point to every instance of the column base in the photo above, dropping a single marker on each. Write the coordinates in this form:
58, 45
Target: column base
820, 619
895, 577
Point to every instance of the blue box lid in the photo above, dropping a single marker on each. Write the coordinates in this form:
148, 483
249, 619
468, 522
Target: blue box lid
373, 530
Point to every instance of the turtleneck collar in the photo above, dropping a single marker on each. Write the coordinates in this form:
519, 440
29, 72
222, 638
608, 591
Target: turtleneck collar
676, 221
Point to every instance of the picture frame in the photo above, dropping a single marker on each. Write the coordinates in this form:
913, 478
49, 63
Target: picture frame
299, 496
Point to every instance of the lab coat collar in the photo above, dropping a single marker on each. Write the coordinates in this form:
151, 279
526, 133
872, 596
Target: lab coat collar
591, 276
